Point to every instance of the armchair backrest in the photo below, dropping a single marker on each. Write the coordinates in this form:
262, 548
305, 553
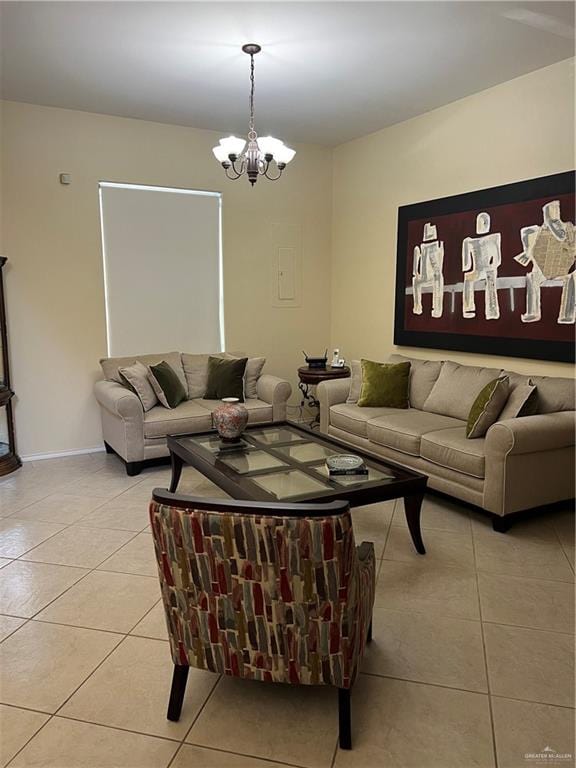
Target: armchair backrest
260, 590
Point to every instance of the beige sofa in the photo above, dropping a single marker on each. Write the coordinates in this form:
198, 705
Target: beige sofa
521, 463
138, 436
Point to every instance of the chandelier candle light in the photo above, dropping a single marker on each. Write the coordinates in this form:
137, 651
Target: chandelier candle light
253, 158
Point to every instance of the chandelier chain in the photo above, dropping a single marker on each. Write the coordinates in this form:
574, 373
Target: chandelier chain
251, 124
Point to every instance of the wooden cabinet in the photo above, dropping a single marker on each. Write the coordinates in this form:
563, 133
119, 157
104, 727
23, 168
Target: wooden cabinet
9, 460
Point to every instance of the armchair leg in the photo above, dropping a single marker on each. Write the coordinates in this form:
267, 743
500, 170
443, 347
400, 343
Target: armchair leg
344, 718
369, 635
177, 691
109, 448
133, 468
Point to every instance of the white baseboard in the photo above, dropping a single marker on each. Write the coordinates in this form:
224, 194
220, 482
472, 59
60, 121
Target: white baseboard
61, 454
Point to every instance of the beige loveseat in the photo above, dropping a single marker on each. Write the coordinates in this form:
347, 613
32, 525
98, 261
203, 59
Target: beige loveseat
521, 463
138, 436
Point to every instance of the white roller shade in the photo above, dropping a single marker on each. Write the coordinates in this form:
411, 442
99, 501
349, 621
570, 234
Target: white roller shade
162, 269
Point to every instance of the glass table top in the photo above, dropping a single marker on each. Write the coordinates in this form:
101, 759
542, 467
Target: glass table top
289, 484
271, 435
304, 452
250, 461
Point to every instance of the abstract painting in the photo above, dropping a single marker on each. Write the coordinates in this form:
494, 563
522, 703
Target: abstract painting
492, 271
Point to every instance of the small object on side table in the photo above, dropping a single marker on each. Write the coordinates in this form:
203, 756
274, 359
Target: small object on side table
311, 377
230, 419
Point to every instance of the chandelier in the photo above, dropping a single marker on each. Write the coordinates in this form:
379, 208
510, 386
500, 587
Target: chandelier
254, 157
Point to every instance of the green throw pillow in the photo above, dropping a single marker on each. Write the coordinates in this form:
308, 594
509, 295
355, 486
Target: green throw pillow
487, 407
384, 384
225, 378
165, 382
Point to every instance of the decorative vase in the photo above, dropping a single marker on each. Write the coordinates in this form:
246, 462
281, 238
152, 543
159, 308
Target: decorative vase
230, 419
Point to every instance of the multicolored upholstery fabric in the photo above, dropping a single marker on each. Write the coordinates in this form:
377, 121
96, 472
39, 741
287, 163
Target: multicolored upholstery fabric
278, 599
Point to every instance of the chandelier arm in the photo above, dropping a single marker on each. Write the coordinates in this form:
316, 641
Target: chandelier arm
273, 178
233, 177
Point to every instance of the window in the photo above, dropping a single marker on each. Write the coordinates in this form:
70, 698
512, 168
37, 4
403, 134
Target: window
162, 252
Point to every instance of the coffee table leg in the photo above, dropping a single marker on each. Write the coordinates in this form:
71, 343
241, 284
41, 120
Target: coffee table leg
177, 465
412, 507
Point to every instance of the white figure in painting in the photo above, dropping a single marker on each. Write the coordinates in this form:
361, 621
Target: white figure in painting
427, 271
551, 249
481, 257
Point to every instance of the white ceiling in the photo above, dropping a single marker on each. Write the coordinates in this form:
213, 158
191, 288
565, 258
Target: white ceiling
328, 72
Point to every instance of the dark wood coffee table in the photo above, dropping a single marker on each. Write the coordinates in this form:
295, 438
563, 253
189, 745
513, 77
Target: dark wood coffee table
287, 462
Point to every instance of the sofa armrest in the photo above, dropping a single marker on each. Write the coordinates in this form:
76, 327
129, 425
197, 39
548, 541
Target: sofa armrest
529, 462
330, 393
122, 420
529, 434
276, 392
118, 400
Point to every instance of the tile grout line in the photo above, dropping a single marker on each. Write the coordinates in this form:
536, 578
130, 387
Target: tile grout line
490, 708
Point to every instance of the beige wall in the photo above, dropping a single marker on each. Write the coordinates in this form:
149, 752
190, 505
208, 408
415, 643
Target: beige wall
51, 236
519, 130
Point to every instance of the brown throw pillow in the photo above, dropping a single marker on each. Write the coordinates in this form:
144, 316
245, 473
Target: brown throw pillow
225, 378
168, 387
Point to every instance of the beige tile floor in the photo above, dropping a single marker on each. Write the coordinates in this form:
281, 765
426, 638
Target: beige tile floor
471, 664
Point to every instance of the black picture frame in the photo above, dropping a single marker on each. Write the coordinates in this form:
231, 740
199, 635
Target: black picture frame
523, 191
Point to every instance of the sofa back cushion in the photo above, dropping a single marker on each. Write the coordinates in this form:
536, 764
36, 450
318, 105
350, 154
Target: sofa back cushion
110, 365
554, 392
456, 389
423, 376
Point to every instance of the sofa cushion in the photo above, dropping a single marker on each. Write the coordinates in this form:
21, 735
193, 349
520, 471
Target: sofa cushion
554, 392
451, 448
110, 365
403, 431
457, 387
352, 418
384, 385
189, 416
423, 376
258, 411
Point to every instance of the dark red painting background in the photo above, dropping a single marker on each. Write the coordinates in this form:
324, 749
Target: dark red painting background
452, 229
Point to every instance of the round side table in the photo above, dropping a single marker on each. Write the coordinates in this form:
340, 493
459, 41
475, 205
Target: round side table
311, 377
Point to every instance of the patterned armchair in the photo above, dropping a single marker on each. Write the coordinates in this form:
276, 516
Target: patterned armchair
271, 592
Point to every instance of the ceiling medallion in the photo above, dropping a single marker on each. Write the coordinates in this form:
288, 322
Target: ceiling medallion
254, 157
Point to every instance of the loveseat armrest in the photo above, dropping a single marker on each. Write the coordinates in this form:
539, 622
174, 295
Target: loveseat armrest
119, 400
276, 392
529, 462
528, 434
330, 393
